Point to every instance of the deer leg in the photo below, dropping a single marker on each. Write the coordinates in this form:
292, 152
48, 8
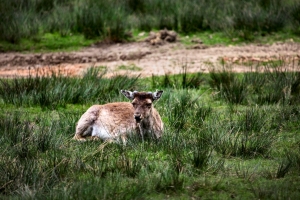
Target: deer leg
123, 138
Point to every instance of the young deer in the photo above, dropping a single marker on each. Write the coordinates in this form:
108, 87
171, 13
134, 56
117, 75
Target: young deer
113, 120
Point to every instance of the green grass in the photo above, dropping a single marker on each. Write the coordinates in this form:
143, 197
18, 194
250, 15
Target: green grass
54, 42
210, 38
58, 91
212, 148
67, 28
52, 25
48, 42
129, 68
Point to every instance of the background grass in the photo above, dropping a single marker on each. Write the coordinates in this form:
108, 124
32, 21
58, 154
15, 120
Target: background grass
36, 21
213, 146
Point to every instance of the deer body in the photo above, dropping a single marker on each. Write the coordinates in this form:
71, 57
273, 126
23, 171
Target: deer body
114, 120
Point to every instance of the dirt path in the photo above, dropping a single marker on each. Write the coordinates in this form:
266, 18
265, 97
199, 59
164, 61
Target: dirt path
145, 59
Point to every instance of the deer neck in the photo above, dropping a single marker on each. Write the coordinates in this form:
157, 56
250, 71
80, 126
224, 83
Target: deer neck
146, 124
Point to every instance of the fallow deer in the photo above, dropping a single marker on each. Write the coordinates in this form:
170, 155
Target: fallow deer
114, 120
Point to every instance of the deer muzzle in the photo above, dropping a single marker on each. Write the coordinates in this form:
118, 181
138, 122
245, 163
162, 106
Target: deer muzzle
137, 118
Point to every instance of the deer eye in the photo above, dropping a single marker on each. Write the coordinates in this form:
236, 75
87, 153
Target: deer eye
134, 104
149, 105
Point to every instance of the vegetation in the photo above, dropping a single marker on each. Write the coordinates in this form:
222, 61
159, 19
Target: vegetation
226, 136
31, 21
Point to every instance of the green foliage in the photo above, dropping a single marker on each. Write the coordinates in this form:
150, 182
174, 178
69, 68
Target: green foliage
202, 150
55, 90
211, 147
280, 189
111, 21
183, 80
129, 67
264, 17
17, 21
194, 21
295, 14
24, 142
185, 111
275, 85
280, 86
230, 86
245, 134
106, 19
48, 42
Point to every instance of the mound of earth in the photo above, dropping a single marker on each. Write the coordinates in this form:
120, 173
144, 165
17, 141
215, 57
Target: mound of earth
162, 37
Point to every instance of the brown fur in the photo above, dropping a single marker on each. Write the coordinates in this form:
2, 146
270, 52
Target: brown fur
113, 120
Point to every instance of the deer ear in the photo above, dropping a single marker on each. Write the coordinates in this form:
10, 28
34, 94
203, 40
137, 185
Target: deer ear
128, 94
156, 95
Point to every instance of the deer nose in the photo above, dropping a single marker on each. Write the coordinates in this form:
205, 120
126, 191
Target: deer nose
137, 117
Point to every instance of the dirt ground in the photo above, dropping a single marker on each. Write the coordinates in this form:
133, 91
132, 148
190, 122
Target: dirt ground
146, 59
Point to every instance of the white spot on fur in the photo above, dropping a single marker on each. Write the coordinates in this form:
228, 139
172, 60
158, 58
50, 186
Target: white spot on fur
101, 133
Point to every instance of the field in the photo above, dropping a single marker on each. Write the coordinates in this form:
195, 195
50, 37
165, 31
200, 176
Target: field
227, 135
231, 101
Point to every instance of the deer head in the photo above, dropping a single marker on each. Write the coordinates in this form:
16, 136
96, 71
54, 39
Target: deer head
142, 103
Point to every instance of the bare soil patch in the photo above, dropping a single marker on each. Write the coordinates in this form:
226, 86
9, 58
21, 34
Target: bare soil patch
168, 58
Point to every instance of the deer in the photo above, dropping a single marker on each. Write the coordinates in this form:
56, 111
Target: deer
112, 121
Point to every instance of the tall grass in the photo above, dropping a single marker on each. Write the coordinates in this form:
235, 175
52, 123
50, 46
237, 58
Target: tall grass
185, 111
194, 21
230, 85
55, 90
245, 134
211, 147
112, 20
24, 142
18, 21
260, 16
183, 80
274, 85
106, 19
295, 10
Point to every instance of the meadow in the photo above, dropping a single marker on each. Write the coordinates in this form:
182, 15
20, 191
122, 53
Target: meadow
226, 136
70, 24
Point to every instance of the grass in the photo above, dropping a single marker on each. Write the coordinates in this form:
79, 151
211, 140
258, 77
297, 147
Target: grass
212, 148
182, 80
51, 25
226, 135
211, 38
48, 42
208, 38
129, 68
58, 91
53, 42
